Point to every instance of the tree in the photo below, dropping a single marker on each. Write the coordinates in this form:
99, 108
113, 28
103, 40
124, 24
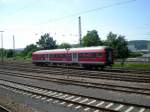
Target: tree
3, 52
29, 48
46, 42
123, 51
65, 45
91, 39
10, 53
135, 54
119, 44
112, 40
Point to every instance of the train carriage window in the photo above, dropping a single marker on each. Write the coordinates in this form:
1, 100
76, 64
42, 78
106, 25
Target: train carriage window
74, 55
59, 55
53, 55
64, 55
80, 55
43, 55
68, 55
49, 56
98, 55
38, 56
46, 56
56, 55
87, 55
92, 55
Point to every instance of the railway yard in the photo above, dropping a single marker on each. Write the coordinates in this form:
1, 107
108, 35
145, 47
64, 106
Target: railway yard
73, 89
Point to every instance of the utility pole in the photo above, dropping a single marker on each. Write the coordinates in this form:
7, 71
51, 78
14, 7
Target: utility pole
14, 53
2, 55
80, 32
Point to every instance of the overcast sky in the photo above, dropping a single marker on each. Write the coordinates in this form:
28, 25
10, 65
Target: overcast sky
28, 19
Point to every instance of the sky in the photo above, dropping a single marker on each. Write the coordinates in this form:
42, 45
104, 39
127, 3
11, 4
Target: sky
27, 20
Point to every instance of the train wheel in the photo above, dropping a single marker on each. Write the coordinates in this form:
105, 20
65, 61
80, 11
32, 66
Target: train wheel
37, 64
102, 68
90, 67
85, 66
96, 68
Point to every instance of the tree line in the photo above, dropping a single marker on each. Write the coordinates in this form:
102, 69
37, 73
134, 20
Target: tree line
92, 38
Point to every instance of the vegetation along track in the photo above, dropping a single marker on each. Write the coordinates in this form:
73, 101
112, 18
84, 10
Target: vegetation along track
81, 73
99, 85
128, 70
71, 100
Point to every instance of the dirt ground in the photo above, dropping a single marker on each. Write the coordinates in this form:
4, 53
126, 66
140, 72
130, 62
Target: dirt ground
14, 107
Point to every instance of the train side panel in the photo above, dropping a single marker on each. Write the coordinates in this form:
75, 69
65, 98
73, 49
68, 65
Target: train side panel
87, 57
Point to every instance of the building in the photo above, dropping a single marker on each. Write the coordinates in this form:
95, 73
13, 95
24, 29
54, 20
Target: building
148, 47
132, 48
146, 57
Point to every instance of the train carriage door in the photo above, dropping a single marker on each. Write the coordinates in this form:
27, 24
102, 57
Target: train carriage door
109, 56
46, 57
75, 57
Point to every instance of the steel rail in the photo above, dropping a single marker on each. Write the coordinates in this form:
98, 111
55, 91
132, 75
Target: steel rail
84, 74
4, 109
31, 89
136, 90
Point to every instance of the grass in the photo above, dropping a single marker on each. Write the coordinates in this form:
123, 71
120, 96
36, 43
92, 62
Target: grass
17, 58
130, 65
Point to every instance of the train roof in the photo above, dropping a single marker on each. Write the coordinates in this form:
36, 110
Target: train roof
99, 48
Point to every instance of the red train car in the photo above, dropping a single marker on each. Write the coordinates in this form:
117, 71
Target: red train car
88, 57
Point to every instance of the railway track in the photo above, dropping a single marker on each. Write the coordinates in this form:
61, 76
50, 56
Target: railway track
70, 100
126, 70
109, 69
83, 73
112, 70
3, 109
105, 105
87, 84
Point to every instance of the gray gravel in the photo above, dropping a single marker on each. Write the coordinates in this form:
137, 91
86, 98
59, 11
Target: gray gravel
37, 104
98, 93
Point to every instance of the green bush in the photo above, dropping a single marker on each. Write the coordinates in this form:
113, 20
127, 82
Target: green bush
145, 66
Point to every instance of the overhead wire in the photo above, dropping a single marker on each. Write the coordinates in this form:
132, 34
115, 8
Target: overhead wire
88, 11
13, 13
